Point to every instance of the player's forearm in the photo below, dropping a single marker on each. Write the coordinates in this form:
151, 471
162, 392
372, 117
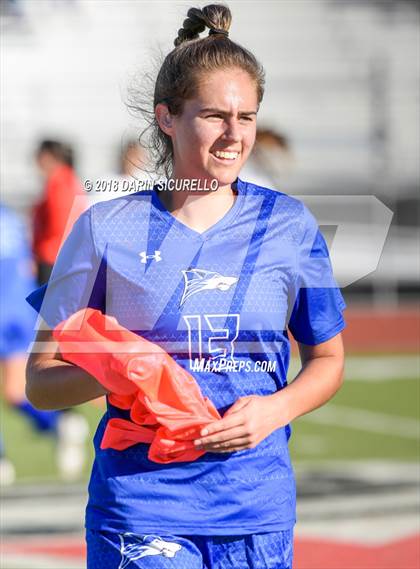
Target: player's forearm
319, 379
55, 384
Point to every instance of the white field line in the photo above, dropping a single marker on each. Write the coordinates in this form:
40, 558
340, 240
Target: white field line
375, 368
364, 420
379, 368
372, 471
382, 502
365, 530
311, 444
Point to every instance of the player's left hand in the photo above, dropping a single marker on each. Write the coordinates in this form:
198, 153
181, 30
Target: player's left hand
250, 420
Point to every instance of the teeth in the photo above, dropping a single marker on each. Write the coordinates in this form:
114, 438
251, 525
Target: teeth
228, 155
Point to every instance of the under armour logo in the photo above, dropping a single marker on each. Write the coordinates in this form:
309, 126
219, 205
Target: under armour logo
157, 256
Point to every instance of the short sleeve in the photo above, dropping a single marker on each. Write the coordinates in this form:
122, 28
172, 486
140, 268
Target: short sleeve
317, 303
78, 278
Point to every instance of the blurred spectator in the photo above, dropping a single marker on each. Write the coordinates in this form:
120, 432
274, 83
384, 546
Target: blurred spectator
17, 324
62, 202
133, 159
271, 159
132, 173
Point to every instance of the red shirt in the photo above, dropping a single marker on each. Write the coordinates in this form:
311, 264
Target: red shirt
55, 215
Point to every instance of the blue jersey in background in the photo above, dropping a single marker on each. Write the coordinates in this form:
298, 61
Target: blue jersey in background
17, 320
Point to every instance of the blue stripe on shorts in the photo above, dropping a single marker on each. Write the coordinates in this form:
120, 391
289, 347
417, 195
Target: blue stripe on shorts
108, 550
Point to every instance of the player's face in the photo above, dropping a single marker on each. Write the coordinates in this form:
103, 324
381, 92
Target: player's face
215, 133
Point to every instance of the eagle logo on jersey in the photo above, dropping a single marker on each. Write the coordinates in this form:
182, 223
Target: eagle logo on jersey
196, 280
144, 545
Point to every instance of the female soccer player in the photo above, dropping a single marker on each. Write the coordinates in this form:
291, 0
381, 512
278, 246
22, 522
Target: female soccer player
215, 278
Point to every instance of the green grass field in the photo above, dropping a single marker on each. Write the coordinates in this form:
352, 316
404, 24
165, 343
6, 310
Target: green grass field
388, 402
367, 420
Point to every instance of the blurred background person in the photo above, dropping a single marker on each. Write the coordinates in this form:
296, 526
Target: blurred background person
63, 200
132, 172
133, 160
17, 325
271, 159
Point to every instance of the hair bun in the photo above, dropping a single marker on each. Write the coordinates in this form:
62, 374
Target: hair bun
216, 17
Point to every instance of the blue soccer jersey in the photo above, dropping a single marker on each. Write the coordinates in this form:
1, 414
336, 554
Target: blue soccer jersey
220, 303
17, 320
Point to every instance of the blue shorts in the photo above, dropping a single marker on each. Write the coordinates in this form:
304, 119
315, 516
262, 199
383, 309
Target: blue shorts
108, 550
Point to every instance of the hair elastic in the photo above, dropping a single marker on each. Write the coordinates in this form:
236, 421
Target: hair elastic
218, 31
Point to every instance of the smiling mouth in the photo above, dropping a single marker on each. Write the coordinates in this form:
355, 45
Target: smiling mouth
225, 156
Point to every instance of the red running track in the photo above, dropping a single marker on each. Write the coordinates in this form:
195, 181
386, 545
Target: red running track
381, 330
323, 554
